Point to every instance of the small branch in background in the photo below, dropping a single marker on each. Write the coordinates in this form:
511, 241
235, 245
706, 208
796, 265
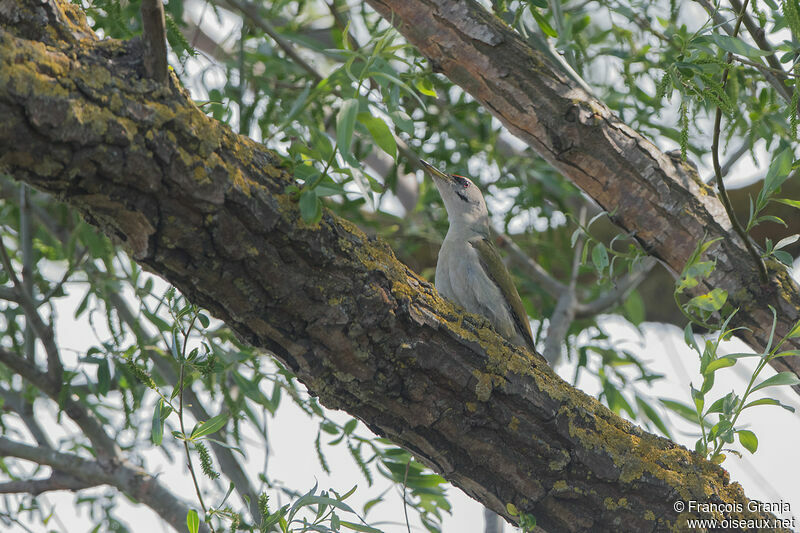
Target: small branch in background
44, 332
723, 193
775, 75
732, 160
35, 487
127, 478
15, 402
103, 444
534, 270
154, 36
564, 313
759, 37
492, 522
26, 247
614, 297
251, 11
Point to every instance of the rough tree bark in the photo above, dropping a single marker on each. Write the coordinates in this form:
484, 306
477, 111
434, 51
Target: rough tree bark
206, 209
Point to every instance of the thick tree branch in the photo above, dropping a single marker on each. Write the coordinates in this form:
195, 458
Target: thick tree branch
206, 209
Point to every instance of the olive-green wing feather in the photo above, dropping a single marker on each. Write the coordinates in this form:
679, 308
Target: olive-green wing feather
494, 267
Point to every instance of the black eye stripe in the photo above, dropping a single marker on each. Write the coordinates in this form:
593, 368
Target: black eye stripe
461, 180
462, 196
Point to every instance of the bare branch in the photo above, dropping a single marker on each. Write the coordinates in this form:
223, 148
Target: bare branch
130, 480
564, 313
26, 247
532, 269
255, 17
57, 481
104, 445
32, 317
154, 36
15, 401
623, 287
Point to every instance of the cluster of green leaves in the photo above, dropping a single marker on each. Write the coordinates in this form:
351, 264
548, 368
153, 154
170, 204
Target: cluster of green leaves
323, 517
779, 171
700, 308
715, 436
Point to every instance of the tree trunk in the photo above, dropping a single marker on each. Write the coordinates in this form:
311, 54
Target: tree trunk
206, 209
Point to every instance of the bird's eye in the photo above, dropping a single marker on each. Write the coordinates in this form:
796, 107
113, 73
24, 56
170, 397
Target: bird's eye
462, 180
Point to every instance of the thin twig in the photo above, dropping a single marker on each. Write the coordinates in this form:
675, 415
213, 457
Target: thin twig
564, 312
180, 416
251, 11
723, 193
26, 247
775, 74
14, 401
57, 481
154, 36
613, 297
534, 270
44, 332
759, 37
405, 500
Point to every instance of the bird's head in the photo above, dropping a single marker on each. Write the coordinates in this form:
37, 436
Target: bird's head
462, 199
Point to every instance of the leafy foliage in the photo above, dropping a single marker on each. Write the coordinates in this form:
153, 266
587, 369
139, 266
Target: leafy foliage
350, 106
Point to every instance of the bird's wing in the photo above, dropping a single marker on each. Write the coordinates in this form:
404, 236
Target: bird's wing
496, 270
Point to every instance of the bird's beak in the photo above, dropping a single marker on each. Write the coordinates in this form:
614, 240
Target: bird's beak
435, 172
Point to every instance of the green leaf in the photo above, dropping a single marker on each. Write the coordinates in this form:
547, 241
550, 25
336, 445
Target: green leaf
713, 301
786, 241
157, 431
380, 133
345, 123
103, 377
359, 527
737, 46
212, 425
787, 201
699, 400
688, 337
716, 364
788, 353
778, 171
634, 308
350, 426
652, 415
310, 206
600, 257
782, 378
716, 407
543, 24
748, 439
769, 401
425, 86
192, 521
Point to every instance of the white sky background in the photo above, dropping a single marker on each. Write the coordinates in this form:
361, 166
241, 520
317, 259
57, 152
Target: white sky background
770, 475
